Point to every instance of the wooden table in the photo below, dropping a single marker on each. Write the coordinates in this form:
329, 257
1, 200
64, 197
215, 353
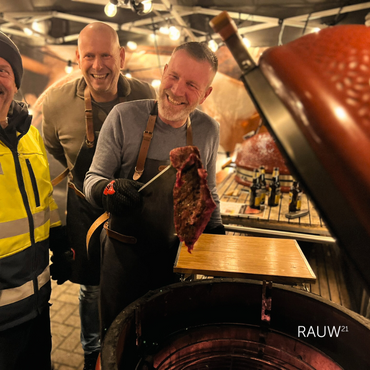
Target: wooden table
277, 260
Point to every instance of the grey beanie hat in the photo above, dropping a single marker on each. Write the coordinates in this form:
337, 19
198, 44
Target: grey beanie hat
10, 52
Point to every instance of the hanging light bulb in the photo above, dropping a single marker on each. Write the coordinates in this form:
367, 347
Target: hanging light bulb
246, 42
212, 44
142, 7
164, 30
28, 31
156, 83
132, 45
69, 68
174, 33
128, 74
39, 26
110, 9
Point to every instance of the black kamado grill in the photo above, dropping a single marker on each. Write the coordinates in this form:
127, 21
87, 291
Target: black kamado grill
314, 96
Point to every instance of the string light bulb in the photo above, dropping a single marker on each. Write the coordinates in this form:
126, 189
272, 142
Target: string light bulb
246, 42
156, 83
69, 68
212, 44
143, 7
174, 33
132, 45
110, 9
164, 30
28, 31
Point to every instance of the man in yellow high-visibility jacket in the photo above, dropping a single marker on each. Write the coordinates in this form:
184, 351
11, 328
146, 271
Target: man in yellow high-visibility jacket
27, 214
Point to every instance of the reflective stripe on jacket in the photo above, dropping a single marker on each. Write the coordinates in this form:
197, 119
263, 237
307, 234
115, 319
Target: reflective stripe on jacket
27, 211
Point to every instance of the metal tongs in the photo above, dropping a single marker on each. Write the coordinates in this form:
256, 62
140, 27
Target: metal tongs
155, 178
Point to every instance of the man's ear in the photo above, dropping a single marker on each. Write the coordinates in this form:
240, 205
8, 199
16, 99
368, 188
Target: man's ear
78, 58
165, 68
122, 55
208, 91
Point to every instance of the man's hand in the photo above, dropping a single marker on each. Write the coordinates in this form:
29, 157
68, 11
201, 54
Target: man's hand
121, 195
220, 230
63, 255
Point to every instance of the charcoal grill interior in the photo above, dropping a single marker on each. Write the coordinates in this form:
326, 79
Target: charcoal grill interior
217, 324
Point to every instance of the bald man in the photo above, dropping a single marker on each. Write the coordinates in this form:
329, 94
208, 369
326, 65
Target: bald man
72, 142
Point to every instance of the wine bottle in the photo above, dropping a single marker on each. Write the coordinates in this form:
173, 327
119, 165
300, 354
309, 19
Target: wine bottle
255, 191
262, 181
275, 189
294, 197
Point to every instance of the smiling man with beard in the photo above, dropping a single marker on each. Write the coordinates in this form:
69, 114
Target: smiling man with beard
73, 115
122, 164
184, 86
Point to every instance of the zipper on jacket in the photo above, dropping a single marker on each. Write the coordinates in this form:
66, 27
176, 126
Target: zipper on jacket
22, 189
34, 183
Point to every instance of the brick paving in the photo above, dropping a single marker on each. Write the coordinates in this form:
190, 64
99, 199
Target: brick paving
67, 353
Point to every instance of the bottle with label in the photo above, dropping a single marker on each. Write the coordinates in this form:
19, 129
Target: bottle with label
295, 197
262, 181
255, 192
275, 190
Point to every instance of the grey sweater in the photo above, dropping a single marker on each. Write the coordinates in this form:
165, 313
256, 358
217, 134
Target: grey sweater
120, 139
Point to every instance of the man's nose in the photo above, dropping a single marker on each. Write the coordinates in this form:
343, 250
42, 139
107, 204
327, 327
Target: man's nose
178, 88
97, 63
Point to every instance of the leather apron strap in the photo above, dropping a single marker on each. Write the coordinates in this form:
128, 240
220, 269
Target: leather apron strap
58, 179
111, 233
189, 133
102, 218
90, 137
147, 137
145, 143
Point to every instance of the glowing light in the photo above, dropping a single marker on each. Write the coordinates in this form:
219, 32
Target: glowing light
164, 30
132, 45
174, 33
156, 83
110, 9
69, 68
142, 7
316, 29
40, 27
128, 75
246, 42
147, 6
340, 113
28, 31
212, 44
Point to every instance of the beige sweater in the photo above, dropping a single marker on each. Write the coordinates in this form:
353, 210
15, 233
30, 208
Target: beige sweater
64, 115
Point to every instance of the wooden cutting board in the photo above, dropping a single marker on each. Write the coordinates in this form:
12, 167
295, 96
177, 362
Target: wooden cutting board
277, 260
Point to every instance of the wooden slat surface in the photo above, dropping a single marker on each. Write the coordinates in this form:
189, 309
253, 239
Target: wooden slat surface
278, 260
230, 191
330, 282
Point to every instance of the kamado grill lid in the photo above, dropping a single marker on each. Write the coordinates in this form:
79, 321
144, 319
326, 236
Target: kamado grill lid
314, 96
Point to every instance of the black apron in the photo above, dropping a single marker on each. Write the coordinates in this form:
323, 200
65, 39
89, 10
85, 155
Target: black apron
80, 213
80, 216
128, 271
